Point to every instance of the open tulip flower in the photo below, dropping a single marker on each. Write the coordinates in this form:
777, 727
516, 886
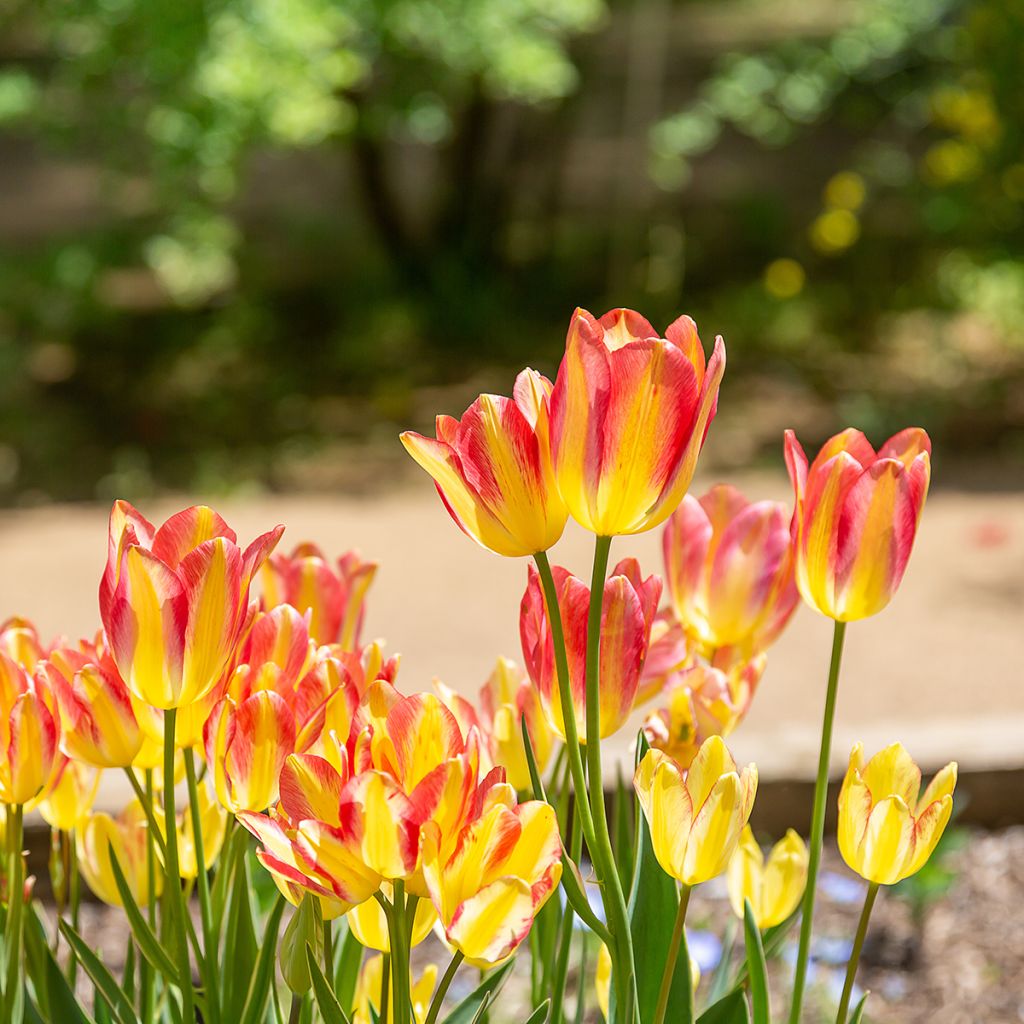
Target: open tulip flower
695, 814
774, 887
629, 414
124, 837
701, 702
504, 867
333, 596
887, 828
175, 601
29, 735
493, 469
276, 654
370, 987
628, 612
729, 572
247, 745
856, 516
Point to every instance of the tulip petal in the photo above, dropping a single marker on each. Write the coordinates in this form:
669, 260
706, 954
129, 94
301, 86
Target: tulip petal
185, 531
888, 842
310, 788
715, 831
489, 925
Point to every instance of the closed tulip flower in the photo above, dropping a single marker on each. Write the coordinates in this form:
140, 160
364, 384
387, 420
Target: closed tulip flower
493, 469
629, 414
29, 734
887, 828
628, 612
247, 745
19, 640
503, 869
774, 887
333, 596
856, 516
175, 601
695, 815
125, 837
729, 572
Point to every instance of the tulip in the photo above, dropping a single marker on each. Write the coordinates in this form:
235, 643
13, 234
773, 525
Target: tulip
503, 869
125, 837
19, 640
856, 517
98, 722
71, 800
695, 815
493, 469
333, 597
246, 748
213, 823
887, 830
668, 656
628, 612
276, 654
629, 414
175, 601
773, 888
369, 990
370, 926
701, 702
29, 734
729, 571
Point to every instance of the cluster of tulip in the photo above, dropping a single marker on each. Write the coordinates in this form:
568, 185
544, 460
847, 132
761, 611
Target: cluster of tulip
410, 814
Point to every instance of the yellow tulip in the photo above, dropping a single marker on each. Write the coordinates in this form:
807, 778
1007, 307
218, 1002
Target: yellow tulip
370, 926
774, 887
213, 821
695, 815
72, 798
125, 835
370, 984
886, 830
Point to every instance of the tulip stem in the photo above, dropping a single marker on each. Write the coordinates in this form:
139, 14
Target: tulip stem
673, 955
329, 952
601, 849
399, 956
442, 988
858, 944
173, 872
147, 806
15, 907
817, 823
202, 877
74, 898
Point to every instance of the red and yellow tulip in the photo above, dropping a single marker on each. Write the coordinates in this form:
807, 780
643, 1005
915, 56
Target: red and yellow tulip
124, 837
333, 596
856, 517
69, 802
887, 827
773, 886
505, 865
175, 601
29, 734
695, 814
19, 640
630, 606
493, 469
629, 414
729, 572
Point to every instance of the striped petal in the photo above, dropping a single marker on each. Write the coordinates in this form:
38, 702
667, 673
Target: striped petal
310, 788
262, 739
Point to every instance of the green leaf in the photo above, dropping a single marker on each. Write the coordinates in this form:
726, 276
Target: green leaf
653, 904
858, 1010
540, 1015
576, 896
101, 977
240, 946
54, 1000
350, 960
259, 987
149, 944
326, 1000
730, 1010
467, 1011
480, 1014
756, 967
623, 830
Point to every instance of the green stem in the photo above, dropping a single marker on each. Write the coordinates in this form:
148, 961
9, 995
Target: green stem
400, 983
858, 943
15, 906
442, 988
817, 823
145, 798
202, 879
565, 939
673, 955
601, 850
329, 952
385, 989
173, 872
75, 898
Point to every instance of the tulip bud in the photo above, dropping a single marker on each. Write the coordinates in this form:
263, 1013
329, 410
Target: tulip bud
304, 930
775, 887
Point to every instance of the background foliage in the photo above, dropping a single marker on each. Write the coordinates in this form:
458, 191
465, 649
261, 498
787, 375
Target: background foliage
233, 232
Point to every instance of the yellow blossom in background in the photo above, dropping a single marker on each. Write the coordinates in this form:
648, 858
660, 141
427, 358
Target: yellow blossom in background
125, 837
774, 887
370, 926
950, 162
784, 278
834, 231
72, 798
887, 831
366, 1007
213, 820
603, 977
845, 191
